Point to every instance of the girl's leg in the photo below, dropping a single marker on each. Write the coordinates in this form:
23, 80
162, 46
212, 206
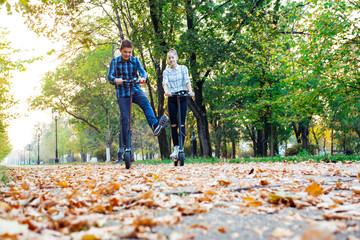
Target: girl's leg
172, 107
183, 109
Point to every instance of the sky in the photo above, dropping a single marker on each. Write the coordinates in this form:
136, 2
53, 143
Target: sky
26, 84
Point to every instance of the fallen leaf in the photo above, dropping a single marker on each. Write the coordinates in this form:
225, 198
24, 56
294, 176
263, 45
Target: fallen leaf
89, 237
264, 182
198, 226
4, 206
224, 183
356, 190
314, 189
62, 183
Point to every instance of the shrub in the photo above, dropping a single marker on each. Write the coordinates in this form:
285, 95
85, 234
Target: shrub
296, 149
100, 153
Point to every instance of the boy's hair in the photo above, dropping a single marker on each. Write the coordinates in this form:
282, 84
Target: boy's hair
126, 43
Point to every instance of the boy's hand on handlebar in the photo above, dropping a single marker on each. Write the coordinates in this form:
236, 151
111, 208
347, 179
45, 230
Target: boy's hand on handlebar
168, 94
142, 80
118, 81
191, 94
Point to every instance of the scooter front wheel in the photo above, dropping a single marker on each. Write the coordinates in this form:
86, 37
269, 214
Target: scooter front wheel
127, 160
182, 158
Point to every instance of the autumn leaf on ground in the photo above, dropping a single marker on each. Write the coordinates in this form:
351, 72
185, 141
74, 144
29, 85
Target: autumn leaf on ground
251, 202
264, 182
224, 183
62, 183
4, 206
356, 190
314, 189
156, 177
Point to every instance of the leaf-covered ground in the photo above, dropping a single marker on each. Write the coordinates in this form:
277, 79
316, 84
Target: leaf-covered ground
280, 200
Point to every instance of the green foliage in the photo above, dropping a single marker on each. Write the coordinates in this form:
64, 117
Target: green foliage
79, 88
4, 175
261, 71
5, 146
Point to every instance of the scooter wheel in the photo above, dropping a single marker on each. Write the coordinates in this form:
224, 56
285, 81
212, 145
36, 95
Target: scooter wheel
182, 158
127, 160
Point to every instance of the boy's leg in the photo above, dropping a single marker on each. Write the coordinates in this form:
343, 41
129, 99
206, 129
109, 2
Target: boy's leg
156, 125
124, 112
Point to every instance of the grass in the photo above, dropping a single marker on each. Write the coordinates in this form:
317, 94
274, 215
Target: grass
299, 158
4, 177
302, 157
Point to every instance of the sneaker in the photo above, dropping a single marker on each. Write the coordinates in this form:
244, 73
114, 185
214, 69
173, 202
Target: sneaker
120, 156
160, 125
175, 152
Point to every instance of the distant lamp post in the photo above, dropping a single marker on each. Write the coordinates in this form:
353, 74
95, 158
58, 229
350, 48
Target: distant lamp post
56, 116
38, 133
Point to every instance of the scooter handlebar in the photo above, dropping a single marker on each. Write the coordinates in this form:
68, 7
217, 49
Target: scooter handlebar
135, 80
180, 94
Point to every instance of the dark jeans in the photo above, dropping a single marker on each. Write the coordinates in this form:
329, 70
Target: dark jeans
124, 105
174, 119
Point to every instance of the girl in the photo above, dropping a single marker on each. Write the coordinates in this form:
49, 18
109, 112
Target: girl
176, 79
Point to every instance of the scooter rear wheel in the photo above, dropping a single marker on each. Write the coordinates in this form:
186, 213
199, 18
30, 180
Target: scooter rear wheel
127, 160
182, 158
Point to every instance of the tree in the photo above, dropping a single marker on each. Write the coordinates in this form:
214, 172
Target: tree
80, 89
7, 66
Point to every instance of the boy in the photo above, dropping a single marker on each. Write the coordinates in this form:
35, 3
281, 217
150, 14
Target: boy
127, 67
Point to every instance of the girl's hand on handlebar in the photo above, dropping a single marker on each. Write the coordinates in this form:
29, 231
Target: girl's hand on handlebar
191, 94
118, 81
168, 94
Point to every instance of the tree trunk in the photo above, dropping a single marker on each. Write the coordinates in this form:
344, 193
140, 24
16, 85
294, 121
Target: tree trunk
305, 137
316, 140
253, 139
302, 132
297, 132
202, 128
233, 144
224, 143
265, 138
217, 138
259, 146
272, 139
108, 153
332, 142
155, 14
197, 106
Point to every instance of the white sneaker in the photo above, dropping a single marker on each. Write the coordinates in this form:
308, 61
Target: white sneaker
175, 152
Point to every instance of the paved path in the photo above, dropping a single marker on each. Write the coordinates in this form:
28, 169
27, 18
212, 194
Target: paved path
198, 201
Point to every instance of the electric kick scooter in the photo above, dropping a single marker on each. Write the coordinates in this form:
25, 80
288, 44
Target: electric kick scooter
128, 155
181, 155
